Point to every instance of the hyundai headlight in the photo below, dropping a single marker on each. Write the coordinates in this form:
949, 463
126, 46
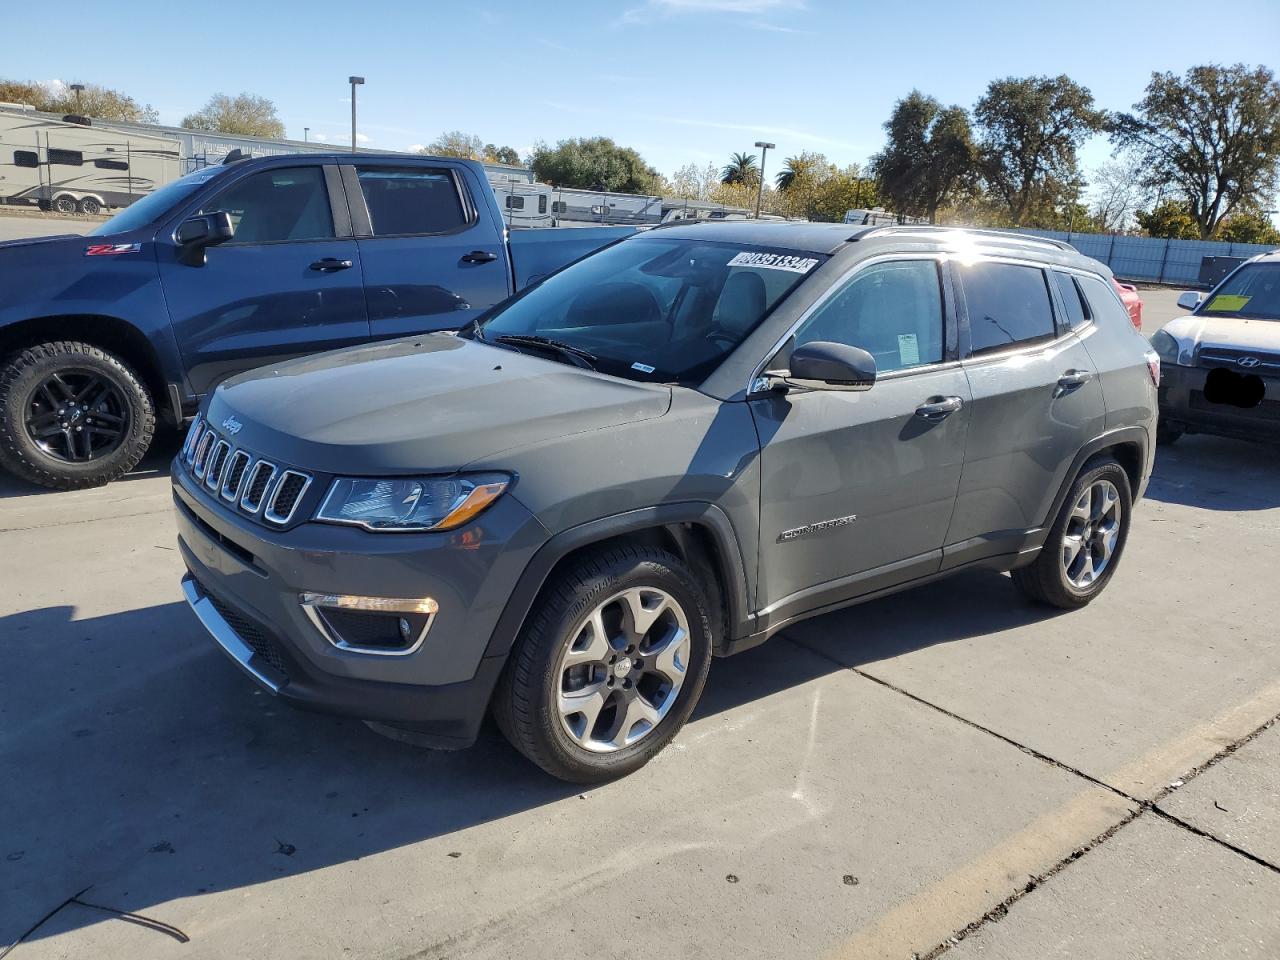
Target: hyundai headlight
410, 504
1167, 348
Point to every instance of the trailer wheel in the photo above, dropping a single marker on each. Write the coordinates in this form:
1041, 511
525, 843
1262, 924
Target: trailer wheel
91, 206
65, 204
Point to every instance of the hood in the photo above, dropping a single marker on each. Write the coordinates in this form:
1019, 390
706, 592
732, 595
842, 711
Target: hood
426, 404
1235, 333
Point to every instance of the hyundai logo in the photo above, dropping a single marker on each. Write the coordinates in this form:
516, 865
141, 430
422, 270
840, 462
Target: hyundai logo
233, 426
1249, 362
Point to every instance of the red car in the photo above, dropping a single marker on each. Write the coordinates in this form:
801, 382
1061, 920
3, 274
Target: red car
1132, 302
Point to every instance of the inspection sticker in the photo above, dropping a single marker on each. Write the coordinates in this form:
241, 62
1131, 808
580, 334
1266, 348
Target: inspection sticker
774, 261
1225, 303
908, 349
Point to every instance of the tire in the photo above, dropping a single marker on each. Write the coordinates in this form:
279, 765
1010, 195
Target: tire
90, 205
1049, 578
1167, 435
65, 205
560, 628
116, 410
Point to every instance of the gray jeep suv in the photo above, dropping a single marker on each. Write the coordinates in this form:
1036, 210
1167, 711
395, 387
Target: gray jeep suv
671, 449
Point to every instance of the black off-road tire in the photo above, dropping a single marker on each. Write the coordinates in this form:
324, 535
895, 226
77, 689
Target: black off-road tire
524, 702
1045, 580
21, 372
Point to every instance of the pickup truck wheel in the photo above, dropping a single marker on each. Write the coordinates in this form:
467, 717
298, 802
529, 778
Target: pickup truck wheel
72, 416
610, 664
1081, 553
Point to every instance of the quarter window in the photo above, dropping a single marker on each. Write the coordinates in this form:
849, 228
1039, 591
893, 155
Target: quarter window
1077, 310
277, 205
413, 200
1008, 304
892, 310
1105, 302
26, 158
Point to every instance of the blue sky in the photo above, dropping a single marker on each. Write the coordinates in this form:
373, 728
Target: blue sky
680, 80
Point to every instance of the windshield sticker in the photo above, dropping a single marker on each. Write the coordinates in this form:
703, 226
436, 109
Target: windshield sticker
643, 367
1224, 303
774, 261
908, 349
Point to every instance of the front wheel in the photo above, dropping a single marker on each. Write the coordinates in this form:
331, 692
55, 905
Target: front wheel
610, 664
72, 416
1083, 548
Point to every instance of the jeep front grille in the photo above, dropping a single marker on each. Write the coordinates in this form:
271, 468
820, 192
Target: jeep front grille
245, 482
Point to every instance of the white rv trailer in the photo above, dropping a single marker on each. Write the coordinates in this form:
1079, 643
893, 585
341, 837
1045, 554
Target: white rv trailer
72, 166
524, 204
570, 206
676, 209
878, 217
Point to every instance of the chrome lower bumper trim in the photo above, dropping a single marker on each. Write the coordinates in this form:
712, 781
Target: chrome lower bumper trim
221, 631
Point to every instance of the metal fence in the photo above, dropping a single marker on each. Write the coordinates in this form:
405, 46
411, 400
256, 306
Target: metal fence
1152, 258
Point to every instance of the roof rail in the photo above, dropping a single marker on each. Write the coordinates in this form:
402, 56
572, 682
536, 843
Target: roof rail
1007, 235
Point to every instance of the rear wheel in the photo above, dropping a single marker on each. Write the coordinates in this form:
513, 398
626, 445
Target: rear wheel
1081, 553
91, 206
609, 666
65, 205
72, 415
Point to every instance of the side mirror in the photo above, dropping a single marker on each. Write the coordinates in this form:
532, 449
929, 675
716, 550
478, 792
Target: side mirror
821, 365
1190, 300
197, 234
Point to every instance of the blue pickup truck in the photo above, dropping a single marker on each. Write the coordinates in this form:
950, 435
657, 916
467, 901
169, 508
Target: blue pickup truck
234, 267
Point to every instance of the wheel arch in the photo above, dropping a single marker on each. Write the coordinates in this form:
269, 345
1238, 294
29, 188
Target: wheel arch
1126, 445
113, 334
699, 533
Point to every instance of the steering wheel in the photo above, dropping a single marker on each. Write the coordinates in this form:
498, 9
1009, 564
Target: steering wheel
722, 339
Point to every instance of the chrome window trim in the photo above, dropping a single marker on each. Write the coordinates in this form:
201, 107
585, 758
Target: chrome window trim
269, 512
939, 257
266, 490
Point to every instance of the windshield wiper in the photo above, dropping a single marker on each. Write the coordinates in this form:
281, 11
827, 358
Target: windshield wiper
579, 356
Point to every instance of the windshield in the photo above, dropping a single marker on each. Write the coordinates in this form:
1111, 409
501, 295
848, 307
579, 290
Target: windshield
654, 308
1252, 292
155, 205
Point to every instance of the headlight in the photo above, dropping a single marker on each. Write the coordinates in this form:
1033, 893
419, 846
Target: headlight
1166, 347
410, 504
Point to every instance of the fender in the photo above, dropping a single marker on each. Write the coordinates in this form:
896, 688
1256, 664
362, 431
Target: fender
706, 515
1121, 435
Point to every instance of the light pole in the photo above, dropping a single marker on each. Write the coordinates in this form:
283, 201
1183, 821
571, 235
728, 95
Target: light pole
77, 87
764, 149
355, 82
306, 134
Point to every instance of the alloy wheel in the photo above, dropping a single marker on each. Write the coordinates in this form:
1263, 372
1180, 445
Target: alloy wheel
622, 668
1091, 535
77, 415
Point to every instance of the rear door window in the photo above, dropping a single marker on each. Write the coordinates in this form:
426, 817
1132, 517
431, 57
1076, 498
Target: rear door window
1008, 305
276, 206
414, 201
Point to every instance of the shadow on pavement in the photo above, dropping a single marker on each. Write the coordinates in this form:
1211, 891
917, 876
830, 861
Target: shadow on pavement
156, 463
1216, 473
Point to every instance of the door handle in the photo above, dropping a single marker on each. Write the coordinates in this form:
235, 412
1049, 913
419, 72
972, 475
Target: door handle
331, 265
479, 256
1074, 378
939, 408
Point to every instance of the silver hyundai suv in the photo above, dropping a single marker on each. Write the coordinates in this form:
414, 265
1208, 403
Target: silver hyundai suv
670, 450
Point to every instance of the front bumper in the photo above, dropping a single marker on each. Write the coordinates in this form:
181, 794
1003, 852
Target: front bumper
244, 583
1183, 404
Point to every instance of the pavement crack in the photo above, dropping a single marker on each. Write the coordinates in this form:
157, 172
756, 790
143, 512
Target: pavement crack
67, 523
40, 923
139, 919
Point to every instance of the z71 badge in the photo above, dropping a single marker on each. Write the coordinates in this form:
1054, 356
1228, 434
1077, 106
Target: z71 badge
820, 527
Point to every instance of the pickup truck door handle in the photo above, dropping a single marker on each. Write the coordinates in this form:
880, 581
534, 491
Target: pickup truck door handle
1074, 378
479, 256
939, 408
331, 264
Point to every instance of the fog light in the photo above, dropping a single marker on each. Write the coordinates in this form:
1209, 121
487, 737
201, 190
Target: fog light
382, 626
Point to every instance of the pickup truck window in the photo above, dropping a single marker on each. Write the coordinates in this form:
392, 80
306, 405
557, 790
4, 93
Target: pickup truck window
156, 204
653, 308
406, 201
892, 310
277, 205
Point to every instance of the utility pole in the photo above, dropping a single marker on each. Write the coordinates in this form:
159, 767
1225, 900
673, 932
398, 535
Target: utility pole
355, 82
306, 134
77, 87
764, 149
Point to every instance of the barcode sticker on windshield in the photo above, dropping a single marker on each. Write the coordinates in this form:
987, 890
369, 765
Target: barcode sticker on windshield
774, 261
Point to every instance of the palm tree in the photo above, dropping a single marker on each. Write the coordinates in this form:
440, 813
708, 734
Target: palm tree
741, 168
796, 168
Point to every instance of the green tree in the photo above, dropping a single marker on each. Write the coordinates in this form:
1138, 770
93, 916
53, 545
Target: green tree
594, 163
741, 168
100, 103
797, 170
1171, 219
455, 143
1030, 129
1214, 133
1249, 227
245, 114
928, 157
507, 155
